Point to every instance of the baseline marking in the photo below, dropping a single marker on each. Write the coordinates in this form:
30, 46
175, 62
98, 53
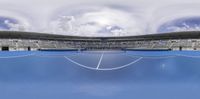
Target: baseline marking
79, 63
123, 65
106, 69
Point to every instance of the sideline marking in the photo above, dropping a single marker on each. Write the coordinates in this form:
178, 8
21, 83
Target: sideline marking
152, 57
18, 56
182, 55
55, 56
100, 60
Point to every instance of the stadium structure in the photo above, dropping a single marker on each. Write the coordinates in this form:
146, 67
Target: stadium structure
108, 67
16, 41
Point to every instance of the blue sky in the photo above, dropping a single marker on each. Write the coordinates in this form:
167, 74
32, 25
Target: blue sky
100, 17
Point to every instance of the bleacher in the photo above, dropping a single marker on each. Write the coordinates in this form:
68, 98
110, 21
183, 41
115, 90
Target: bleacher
35, 41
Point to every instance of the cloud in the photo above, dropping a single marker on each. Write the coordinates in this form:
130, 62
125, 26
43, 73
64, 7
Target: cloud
96, 18
98, 21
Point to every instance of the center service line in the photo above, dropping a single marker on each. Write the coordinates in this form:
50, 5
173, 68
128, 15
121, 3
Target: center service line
100, 60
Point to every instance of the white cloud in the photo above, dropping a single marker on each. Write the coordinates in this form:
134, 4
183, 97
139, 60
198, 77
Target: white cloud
142, 17
185, 27
16, 26
99, 21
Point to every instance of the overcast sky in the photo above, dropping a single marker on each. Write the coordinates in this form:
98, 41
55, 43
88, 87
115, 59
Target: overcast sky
100, 17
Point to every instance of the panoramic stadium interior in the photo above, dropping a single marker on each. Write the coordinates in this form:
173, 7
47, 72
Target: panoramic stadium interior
99, 49
27, 41
49, 66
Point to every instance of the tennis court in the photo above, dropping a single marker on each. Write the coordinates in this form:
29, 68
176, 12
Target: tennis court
100, 75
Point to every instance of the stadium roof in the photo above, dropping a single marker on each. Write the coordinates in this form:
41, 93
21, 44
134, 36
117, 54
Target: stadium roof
44, 36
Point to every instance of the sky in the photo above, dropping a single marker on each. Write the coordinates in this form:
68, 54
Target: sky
100, 17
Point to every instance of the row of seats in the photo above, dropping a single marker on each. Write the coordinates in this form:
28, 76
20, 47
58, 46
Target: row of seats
51, 44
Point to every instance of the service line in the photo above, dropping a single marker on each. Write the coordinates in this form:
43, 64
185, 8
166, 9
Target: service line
99, 63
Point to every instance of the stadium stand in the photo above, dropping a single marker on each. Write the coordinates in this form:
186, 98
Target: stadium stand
14, 41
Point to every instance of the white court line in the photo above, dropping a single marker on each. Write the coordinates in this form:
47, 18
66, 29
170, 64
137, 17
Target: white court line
159, 57
116, 68
105, 69
188, 56
34, 54
17, 56
79, 63
152, 57
100, 60
56, 55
